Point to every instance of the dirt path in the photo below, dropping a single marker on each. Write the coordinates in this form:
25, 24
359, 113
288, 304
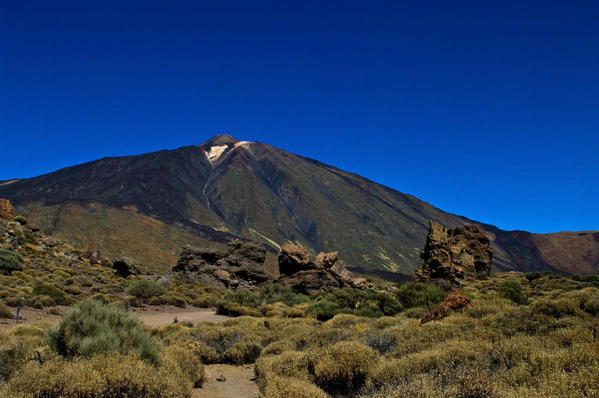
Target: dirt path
238, 384
158, 317
152, 315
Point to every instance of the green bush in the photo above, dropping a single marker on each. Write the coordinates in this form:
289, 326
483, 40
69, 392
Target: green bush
243, 297
531, 276
275, 292
10, 261
238, 303
592, 279
92, 327
343, 367
20, 219
414, 294
145, 289
323, 309
50, 290
388, 304
512, 290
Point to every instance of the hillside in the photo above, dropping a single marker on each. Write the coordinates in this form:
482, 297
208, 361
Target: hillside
146, 206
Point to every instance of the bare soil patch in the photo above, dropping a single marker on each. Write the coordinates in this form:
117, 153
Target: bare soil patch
239, 382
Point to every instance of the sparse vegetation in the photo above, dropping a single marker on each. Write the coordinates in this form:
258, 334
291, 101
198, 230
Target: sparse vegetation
526, 335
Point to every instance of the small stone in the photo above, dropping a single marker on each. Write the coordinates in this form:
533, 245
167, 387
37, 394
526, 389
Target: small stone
221, 378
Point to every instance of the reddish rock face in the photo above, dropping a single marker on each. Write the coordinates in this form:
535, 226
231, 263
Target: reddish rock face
453, 257
455, 301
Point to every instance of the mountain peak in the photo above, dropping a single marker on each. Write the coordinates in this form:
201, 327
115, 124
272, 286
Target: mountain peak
220, 139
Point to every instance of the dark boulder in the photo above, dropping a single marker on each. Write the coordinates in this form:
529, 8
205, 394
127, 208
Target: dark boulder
124, 267
238, 264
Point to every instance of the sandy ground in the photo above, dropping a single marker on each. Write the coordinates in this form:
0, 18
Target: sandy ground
238, 384
158, 317
151, 315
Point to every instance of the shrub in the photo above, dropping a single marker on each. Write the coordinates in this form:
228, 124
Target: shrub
20, 219
556, 308
145, 289
205, 353
380, 341
12, 356
92, 327
592, 279
289, 387
239, 302
5, 312
512, 290
243, 297
388, 304
531, 276
323, 309
50, 290
343, 367
242, 352
275, 292
592, 306
414, 294
185, 361
100, 376
10, 261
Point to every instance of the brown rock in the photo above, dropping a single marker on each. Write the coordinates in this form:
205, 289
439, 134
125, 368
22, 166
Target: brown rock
222, 276
299, 270
455, 301
221, 378
326, 260
294, 258
309, 281
93, 255
7, 210
453, 257
32, 227
239, 264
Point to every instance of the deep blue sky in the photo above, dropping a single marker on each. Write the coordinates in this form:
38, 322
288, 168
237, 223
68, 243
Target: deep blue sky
485, 109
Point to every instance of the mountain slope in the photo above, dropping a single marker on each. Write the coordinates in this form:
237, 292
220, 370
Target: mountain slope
225, 188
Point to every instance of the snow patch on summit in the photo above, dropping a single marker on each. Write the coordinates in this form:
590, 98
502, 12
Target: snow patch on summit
241, 143
214, 153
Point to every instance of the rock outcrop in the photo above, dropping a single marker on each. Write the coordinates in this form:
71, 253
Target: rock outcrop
7, 210
455, 301
306, 274
125, 266
239, 264
453, 257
